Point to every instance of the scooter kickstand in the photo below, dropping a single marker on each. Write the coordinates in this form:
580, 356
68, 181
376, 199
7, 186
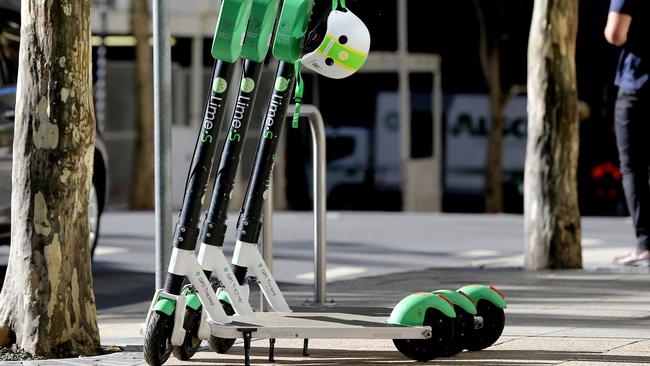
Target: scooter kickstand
271, 349
305, 347
247, 335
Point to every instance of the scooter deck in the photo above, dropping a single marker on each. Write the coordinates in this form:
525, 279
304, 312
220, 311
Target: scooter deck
317, 325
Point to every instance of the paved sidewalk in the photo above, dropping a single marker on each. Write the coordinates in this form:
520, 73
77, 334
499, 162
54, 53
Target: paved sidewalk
597, 316
561, 317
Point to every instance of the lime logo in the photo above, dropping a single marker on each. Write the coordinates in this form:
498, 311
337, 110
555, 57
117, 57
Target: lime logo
198, 274
265, 194
260, 265
219, 85
225, 270
247, 85
344, 56
281, 84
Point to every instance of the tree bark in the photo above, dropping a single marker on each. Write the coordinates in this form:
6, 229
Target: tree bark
551, 214
47, 305
142, 187
490, 56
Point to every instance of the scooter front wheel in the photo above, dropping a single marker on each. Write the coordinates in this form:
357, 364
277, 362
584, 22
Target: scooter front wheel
191, 342
223, 345
157, 339
189, 347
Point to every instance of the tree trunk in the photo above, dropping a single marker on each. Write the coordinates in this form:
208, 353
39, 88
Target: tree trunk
494, 156
142, 187
552, 217
490, 56
47, 305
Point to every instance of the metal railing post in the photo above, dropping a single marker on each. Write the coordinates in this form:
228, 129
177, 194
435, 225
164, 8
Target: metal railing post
162, 81
320, 207
320, 200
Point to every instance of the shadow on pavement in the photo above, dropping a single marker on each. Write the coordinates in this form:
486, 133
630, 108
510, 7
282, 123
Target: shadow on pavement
497, 357
320, 356
118, 287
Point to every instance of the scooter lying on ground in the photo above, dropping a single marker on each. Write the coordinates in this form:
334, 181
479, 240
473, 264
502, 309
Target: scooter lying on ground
422, 325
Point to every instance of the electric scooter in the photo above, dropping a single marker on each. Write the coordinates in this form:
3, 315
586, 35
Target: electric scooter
421, 325
168, 305
233, 297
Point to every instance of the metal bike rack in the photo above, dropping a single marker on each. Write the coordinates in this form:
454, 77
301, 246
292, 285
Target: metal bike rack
317, 127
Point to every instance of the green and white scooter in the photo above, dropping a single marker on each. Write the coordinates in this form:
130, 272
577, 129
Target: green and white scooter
167, 310
211, 258
423, 325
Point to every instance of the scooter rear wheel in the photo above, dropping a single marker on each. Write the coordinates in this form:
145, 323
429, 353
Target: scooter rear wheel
493, 322
442, 329
223, 345
157, 339
463, 331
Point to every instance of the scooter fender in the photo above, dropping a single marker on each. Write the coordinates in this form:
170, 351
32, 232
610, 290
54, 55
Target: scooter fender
223, 296
165, 306
192, 300
459, 300
168, 302
487, 293
412, 309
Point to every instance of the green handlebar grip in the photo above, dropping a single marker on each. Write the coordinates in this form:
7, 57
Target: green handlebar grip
291, 30
231, 29
260, 29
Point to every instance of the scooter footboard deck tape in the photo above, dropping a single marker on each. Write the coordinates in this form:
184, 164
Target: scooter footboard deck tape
323, 326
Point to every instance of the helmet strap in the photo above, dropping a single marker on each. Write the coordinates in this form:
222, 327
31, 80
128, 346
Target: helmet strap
335, 4
300, 89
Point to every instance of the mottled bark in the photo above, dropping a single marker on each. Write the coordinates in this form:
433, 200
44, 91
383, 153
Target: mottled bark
142, 184
552, 217
490, 56
47, 305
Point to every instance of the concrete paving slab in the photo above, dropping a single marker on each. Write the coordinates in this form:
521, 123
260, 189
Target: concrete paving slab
564, 344
638, 348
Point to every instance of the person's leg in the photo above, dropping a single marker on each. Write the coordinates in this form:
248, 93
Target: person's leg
633, 141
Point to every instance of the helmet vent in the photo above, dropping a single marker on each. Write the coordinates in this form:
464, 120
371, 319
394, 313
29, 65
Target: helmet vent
343, 39
329, 61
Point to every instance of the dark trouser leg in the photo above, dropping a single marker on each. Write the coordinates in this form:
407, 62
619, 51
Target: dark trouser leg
633, 140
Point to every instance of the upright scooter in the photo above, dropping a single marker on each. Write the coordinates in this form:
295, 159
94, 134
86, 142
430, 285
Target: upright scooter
211, 257
423, 325
167, 308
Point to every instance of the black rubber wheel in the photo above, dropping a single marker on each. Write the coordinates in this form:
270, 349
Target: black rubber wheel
191, 342
463, 330
157, 339
442, 328
493, 322
222, 345
190, 345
